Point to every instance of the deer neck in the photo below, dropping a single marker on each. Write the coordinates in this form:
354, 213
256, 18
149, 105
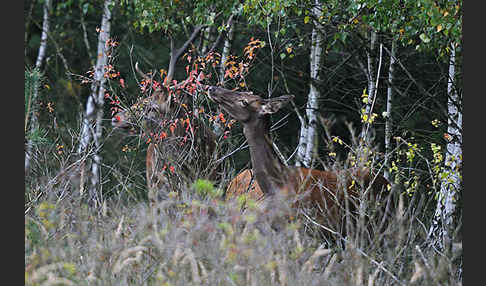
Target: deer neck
269, 172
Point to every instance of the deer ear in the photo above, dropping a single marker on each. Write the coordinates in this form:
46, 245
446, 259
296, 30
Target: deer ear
273, 105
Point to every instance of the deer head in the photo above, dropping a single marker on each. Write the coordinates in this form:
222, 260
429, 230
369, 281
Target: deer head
245, 106
146, 112
253, 111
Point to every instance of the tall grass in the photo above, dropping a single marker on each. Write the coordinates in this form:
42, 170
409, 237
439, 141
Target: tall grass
200, 239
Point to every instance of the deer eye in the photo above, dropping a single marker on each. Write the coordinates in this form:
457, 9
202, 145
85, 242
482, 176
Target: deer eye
244, 103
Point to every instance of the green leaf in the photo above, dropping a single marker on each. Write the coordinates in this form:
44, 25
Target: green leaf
424, 38
85, 8
306, 19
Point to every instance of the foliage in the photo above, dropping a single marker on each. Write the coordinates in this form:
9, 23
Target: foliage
206, 188
32, 82
437, 23
173, 16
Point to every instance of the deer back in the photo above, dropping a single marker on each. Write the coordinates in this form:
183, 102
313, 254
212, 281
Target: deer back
324, 190
244, 183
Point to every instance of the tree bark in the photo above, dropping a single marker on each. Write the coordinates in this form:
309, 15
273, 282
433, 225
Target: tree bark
176, 54
389, 103
372, 78
91, 130
443, 224
226, 47
38, 64
308, 143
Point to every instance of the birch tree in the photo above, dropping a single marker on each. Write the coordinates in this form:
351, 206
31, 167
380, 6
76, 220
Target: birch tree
388, 112
308, 143
91, 127
230, 28
38, 65
441, 231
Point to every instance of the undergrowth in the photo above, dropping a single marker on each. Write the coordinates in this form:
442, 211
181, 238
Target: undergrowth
199, 239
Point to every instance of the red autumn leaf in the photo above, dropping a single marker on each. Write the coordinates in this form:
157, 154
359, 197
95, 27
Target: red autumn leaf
122, 82
221, 117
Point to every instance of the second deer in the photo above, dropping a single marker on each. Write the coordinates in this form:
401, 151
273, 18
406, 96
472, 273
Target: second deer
176, 139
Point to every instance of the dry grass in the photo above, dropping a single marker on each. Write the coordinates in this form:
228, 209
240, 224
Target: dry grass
200, 240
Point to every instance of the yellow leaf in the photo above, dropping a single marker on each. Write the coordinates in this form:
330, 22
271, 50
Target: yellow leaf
365, 117
289, 50
435, 123
439, 27
364, 93
306, 19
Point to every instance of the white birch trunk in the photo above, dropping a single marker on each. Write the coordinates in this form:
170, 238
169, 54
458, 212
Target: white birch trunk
389, 102
91, 129
371, 70
38, 65
308, 143
226, 49
442, 226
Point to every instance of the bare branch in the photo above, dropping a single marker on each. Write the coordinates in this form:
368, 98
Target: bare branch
175, 54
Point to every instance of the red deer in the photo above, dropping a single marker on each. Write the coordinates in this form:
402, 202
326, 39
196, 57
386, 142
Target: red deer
305, 187
180, 146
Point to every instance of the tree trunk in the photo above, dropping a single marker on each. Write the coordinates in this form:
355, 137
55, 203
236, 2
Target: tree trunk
91, 130
443, 224
308, 143
38, 64
371, 55
176, 54
389, 102
226, 48
372, 78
